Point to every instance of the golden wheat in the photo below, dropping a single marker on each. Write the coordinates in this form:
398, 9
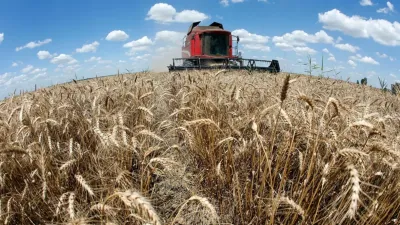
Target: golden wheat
200, 147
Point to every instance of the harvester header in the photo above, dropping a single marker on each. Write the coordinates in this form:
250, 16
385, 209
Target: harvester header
211, 47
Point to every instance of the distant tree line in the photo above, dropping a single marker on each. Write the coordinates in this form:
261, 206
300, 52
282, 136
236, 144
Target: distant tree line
395, 88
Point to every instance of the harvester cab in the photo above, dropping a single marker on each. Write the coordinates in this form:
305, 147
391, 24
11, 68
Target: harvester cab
211, 47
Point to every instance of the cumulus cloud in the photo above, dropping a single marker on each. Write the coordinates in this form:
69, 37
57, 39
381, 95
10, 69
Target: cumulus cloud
117, 35
297, 41
63, 59
226, 2
165, 13
33, 44
352, 63
27, 69
14, 64
93, 59
300, 50
144, 41
304, 50
380, 30
365, 59
1, 37
44, 55
141, 44
381, 55
88, 47
38, 70
331, 56
347, 47
389, 8
366, 2
252, 41
301, 38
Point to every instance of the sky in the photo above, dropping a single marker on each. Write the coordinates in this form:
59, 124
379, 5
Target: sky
48, 42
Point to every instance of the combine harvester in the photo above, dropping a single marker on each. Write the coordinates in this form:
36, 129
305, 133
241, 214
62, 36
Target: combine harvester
210, 47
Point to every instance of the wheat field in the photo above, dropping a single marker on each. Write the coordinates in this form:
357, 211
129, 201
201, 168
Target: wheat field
202, 147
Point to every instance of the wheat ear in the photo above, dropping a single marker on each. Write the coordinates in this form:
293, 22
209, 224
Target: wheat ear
140, 204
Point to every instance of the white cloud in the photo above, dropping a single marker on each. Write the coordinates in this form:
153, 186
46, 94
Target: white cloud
365, 59
63, 59
252, 41
164, 13
352, 63
117, 35
44, 55
141, 57
27, 69
171, 37
144, 41
258, 47
366, 2
389, 8
392, 75
383, 55
39, 75
347, 47
72, 68
332, 58
4, 77
88, 47
224, 2
381, 31
93, 59
300, 38
14, 64
38, 70
1, 37
122, 61
69, 69
300, 50
33, 44
16, 79
141, 44
188, 16
304, 50
250, 38
392, 59
339, 39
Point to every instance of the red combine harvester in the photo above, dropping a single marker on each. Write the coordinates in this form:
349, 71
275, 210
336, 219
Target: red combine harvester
210, 47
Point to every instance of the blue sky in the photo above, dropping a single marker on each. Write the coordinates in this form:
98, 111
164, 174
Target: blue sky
48, 42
